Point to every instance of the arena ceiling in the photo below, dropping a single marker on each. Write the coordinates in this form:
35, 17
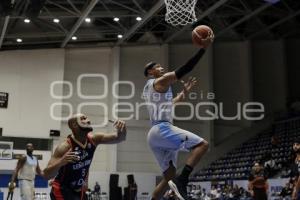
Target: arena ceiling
230, 19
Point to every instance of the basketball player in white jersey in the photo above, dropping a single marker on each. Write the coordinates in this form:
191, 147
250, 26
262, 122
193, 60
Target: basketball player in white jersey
165, 139
26, 169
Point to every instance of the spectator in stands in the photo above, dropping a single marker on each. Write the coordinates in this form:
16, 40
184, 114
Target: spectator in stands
204, 195
215, 192
270, 165
258, 185
132, 186
285, 172
286, 192
236, 192
97, 190
245, 195
197, 192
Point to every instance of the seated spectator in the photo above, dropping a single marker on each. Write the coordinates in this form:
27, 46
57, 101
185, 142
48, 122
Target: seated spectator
215, 193
270, 166
287, 190
204, 195
97, 188
236, 192
286, 171
258, 184
195, 192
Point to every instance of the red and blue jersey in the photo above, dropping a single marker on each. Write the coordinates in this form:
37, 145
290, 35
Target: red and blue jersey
75, 175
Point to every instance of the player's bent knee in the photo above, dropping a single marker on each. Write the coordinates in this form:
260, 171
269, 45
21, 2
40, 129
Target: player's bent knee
203, 145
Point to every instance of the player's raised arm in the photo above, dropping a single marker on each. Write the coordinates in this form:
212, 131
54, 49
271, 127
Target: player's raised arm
112, 138
162, 83
164, 80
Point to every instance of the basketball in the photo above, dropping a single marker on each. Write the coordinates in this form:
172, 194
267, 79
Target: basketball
201, 33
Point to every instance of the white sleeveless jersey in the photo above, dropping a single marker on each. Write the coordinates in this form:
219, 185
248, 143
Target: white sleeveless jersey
28, 170
159, 104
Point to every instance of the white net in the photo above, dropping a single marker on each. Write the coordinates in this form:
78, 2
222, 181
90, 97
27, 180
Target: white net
180, 12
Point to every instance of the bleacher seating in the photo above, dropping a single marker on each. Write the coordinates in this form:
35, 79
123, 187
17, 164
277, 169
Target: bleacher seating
237, 164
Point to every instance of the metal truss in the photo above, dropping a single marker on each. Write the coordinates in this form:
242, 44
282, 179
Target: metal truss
230, 19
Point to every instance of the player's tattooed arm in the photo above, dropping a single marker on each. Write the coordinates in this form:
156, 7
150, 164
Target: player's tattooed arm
62, 156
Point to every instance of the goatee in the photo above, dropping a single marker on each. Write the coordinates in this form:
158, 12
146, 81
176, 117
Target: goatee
86, 129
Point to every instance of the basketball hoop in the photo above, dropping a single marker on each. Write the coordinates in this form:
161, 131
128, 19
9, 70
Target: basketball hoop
180, 12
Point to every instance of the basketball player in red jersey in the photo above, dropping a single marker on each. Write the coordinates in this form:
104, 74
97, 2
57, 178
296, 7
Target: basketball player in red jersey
71, 160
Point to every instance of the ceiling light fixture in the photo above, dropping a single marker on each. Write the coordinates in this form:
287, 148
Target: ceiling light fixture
56, 20
27, 20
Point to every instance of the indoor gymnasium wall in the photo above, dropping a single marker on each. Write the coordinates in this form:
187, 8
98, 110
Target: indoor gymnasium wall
270, 75
134, 154
90, 61
234, 60
293, 67
27, 75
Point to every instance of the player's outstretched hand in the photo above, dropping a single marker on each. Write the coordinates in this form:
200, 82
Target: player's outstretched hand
69, 157
120, 126
187, 86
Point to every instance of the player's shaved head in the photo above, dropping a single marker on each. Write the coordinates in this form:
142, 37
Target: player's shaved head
79, 122
74, 120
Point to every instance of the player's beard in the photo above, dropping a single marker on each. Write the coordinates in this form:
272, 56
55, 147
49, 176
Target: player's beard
86, 129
